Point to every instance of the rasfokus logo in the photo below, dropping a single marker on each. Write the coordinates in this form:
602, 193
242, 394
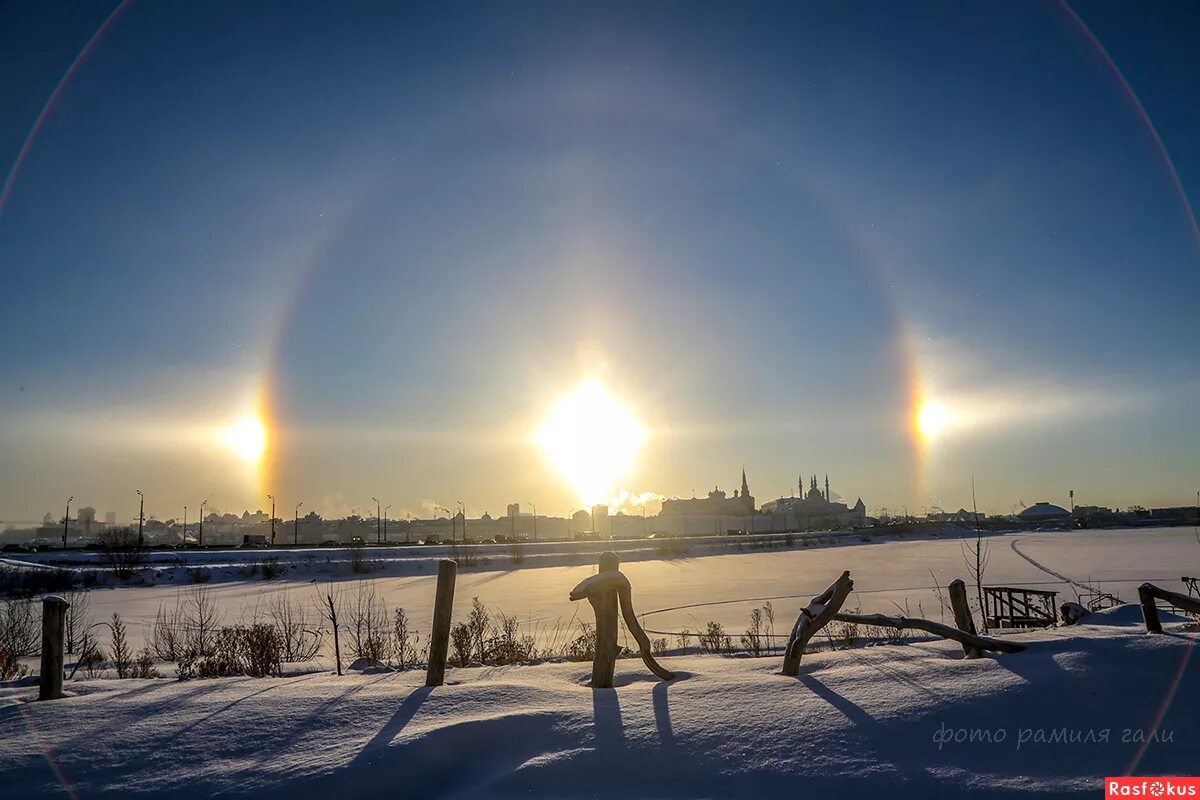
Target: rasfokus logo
1151, 787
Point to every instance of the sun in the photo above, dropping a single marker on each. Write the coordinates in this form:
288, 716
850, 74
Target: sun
248, 438
591, 438
932, 418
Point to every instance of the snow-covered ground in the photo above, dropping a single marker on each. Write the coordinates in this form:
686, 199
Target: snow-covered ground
677, 593
897, 721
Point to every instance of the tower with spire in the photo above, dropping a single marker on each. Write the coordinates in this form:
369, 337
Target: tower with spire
746, 497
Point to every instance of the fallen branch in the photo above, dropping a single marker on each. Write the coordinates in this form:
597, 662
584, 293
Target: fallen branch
936, 628
820, 611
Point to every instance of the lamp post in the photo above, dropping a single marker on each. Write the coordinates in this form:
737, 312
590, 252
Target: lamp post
296, 525
534, 507
463, 506
271, 497
385, 510
141, 516
378, 515
200, 539
184, 537
67, 520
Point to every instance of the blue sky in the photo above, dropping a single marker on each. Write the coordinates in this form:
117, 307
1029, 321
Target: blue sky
767, 227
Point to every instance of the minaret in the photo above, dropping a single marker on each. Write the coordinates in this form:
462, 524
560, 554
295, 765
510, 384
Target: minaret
827, 498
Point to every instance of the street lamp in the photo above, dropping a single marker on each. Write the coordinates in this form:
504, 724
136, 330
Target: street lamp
378, 535
200, 539
296, 525
66, 520
534, 507
385, 510
271, 497
464, 513
183, 538
141, 516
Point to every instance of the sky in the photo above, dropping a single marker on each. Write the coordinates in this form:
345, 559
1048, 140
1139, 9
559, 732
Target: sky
778, 236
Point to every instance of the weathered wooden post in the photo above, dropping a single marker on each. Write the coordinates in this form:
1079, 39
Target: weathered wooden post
962, 615
1149, 609
54, 612
439, 637
604, 590
820, 611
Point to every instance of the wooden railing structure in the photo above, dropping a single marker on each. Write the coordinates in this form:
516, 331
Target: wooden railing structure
1148, 593
1016, 607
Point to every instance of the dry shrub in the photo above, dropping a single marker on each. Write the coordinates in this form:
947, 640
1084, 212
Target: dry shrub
252, 650
198, 574
714, 639
119, 549
460, 644
122, 656
752, 639
404, 639
20, 628
167, 636
299, 637
368, 625
583, 646
76, 621
658, 647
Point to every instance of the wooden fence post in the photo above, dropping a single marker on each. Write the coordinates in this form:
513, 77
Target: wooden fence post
605, 590
439, 637
54, 612
1149, 609
962, 615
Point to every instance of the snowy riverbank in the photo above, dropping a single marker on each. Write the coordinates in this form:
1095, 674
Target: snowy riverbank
893, 720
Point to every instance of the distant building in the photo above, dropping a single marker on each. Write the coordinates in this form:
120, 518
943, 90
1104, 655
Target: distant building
110, 519
87, 520
716, 504
1044, 512
815, 509
514, 510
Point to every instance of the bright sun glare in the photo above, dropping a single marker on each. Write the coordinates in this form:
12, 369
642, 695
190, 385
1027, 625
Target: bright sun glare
247, 438
932, 419
591, 438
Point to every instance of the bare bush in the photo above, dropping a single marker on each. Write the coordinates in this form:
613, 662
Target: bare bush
270, 568
404, 640
479, 624
76, 620
684, 637
253, 650
11, 667
20, 629
168, 639
460, 644
143, 665
198, 574
465, 556
368, 626
846, 634
516, 553
119, 549
122, 656
714, 639
91, 657
508, 645
201, 620
300, 637
658, 647
752, 639
583, 646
